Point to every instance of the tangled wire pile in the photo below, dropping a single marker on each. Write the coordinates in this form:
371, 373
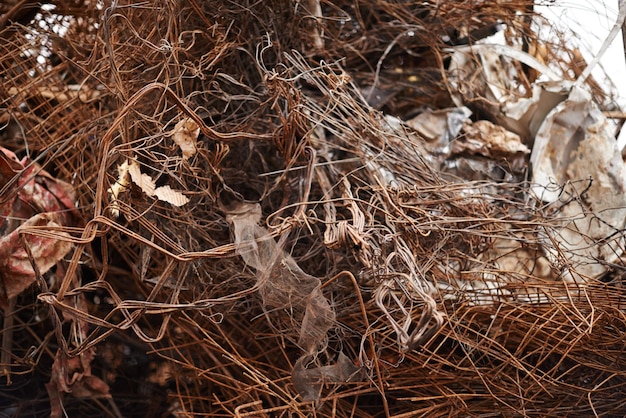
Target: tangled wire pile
222, 209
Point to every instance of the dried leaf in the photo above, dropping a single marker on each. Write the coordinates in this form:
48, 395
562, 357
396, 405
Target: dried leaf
16, 271
146, 184
173, 197
185, 136
9, 165
73, 375
118, 186
144, 181
34, 190
63, 192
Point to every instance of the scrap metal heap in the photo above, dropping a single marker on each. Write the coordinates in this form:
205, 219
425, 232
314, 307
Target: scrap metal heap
331, 209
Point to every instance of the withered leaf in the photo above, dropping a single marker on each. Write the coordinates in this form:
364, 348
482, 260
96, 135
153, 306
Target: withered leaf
147, 185
185, 136
16, 271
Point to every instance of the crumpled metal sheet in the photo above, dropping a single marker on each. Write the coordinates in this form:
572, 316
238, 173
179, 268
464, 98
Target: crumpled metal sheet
488, 151
578, 167
524, 116
575, 161
439, 127
490, 140
496, 80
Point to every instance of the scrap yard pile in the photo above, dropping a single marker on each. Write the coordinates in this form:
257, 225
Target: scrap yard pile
307, 208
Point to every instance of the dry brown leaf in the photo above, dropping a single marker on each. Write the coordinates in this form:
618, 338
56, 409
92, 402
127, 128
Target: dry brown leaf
146, 184
144, 181
185, 135
36, 191
16, 271
118, 186
171, 196
73, 375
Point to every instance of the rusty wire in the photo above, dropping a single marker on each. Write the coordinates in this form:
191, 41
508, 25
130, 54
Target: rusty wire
444, 303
